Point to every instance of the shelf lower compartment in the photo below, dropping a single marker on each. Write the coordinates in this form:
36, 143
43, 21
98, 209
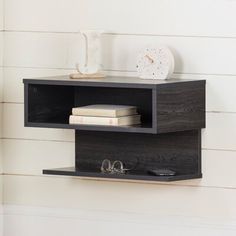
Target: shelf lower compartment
71, 171
138, 152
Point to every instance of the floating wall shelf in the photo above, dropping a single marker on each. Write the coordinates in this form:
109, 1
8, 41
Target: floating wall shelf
172, 113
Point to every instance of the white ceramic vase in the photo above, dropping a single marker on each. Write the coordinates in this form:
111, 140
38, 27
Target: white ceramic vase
92, 59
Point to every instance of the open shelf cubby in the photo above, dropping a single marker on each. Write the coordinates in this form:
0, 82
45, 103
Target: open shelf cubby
172, 115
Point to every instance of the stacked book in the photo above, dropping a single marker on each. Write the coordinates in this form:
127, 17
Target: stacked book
100, 114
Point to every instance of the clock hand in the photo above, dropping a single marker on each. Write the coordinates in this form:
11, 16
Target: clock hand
149, 58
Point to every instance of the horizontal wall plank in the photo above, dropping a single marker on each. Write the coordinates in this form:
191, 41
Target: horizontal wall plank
38, 50
219, 134
1, 15
1, 158
1, 225
1, 44
218, 169
1, 84
192, 55
27, 157
48, 50
30, 157
1, 204
182, 17
1, 98
1, 195
1, 122
214, 203
217, 99
51, 221
13, 119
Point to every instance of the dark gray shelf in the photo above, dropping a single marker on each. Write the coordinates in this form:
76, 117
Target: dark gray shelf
71, 171
172, 116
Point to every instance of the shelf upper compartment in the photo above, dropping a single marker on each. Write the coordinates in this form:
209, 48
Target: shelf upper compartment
164, 106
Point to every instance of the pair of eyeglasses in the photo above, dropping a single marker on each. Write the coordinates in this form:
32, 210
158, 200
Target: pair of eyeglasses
117, 167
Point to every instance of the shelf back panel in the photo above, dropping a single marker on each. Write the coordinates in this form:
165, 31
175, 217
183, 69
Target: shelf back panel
49, 103
141, 98
179, 151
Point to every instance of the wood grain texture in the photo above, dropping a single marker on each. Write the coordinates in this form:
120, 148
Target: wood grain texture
164, 106
46, 107
180, 107
51, 104
49, 101
139, 152
139, 97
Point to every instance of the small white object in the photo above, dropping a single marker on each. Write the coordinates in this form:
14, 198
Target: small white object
91, 64
155, 63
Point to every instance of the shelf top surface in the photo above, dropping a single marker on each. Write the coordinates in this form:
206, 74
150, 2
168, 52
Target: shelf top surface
107, 81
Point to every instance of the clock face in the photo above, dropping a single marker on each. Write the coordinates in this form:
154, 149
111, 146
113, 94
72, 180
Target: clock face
155, 63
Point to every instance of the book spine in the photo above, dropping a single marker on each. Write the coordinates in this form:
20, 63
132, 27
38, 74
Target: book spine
103, 113
92, 120
95, 112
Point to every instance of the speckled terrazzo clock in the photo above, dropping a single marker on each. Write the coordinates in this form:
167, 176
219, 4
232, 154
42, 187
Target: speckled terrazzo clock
155, 63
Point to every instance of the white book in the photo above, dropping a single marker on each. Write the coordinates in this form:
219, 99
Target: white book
104, 110
111, 121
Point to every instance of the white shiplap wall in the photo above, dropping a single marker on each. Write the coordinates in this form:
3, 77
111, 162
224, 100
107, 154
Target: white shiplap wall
40, 39
1, 105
